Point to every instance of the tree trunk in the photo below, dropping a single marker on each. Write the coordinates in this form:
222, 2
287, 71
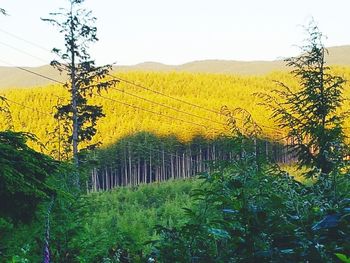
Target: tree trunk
74, 91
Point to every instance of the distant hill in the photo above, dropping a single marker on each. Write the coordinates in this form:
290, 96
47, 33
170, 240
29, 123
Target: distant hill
339, 55
212, 66
13, 77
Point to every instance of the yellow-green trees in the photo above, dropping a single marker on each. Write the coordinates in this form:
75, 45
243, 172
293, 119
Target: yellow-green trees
207, 90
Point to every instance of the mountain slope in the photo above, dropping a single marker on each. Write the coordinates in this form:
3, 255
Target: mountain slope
210, 91
14, 77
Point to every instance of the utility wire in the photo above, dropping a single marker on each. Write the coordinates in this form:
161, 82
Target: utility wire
130, 94
28, 42
23, 52
150, 111
126, 81
60, 82
120, 79
24, 40
25, 106
166, 106
186, 102
32, 72
163, 94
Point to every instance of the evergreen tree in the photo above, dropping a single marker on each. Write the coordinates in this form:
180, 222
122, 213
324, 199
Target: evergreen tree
85, 78
23, 174
310, 113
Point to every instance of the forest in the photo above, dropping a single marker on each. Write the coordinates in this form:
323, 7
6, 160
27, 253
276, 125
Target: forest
175, 167
212, 91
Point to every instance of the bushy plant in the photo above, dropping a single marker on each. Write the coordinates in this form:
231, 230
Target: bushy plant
246, 214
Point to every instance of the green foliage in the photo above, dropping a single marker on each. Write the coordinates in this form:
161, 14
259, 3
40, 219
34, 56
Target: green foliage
135, 214
23, 176
311, 113
343, 257
106, 226
246, 214
240, 212
22, 258
24, 184
243, 210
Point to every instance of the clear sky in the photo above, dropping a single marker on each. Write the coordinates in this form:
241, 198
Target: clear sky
177, 31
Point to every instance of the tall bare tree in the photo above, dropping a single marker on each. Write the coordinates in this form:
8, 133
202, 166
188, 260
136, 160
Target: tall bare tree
76, 24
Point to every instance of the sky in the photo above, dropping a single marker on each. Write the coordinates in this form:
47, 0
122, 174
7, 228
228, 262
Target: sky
175, 32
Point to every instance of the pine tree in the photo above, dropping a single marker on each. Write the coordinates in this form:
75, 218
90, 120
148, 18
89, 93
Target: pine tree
85, 78
311, 113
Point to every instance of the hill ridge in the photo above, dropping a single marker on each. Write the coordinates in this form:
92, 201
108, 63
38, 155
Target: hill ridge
13, 77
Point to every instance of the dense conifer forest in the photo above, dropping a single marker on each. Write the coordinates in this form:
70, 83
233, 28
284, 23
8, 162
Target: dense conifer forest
175, 167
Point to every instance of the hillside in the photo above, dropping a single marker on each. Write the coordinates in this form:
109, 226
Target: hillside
211, 91
13, 77
212, 66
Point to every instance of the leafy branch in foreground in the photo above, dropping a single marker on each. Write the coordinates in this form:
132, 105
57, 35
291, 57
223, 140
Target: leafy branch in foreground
23, 176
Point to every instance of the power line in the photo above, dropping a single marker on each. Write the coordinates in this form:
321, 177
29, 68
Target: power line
54, 80
123, 80
32, 72
126, 81
48, 78
28, 42
40, 75
24, 40
134, 84
60, 82
43, 76
150, 111
180, 100
23, 52
166, 106
120, 79
25, 106
163, 94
